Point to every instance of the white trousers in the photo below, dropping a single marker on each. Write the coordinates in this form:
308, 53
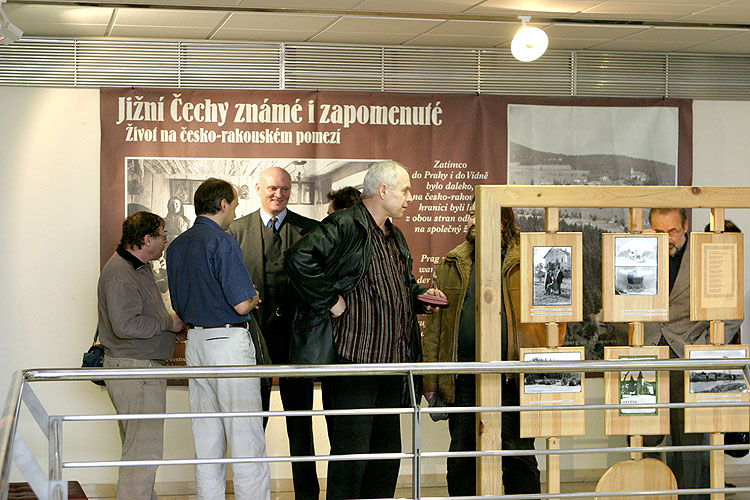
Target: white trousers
222, 347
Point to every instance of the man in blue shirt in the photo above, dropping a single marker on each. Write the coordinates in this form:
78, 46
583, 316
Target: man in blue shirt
212, 292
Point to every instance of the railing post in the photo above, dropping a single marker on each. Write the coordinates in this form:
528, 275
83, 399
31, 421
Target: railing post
55, 448
416, 463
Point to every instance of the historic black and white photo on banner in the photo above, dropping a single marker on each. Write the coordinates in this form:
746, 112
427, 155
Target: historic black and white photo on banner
590, 145
165, 186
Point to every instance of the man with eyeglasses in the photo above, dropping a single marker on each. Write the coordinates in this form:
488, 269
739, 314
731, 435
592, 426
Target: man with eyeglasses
137, 332
691, 469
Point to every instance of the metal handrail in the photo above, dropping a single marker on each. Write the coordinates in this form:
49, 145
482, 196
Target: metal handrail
8, 424
479, 368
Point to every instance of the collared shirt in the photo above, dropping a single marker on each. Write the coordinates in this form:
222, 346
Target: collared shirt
264, 217
134, 261
377, 322
207, 276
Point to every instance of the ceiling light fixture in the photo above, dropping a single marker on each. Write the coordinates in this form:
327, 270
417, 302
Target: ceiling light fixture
529, 43
9, 32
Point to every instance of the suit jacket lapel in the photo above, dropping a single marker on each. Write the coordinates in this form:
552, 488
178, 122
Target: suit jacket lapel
682, 282
256, 240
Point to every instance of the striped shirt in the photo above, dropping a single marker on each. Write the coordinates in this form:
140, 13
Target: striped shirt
376, 325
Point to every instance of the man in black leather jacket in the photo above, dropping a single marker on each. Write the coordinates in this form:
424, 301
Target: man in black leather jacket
353, 273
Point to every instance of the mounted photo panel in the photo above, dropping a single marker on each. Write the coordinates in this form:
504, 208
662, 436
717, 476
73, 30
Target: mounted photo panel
565, 388
635, 277
636, 387
716, 385
716, 276
551, 277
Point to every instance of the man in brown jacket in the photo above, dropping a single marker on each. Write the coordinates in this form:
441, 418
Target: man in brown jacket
449, 336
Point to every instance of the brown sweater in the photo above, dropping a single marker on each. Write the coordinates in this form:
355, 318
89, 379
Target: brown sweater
133, 321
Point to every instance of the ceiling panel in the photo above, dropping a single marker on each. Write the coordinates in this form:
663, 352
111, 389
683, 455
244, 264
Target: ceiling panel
58, 14
64, 30
262, 35
370, 25
475, 28
644, 46
363, 38
721, 14
530, 7
165, 17
160, 32
432, 40
433, 6
291, 22
693, 35
583, 32
300, 4
638, 11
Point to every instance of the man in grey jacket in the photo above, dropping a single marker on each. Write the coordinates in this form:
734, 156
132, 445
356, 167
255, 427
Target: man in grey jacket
137, 332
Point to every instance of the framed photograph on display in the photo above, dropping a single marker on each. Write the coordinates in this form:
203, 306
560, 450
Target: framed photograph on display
563, 388
716, 276
716, 385
551, 285
635, 277
636, 387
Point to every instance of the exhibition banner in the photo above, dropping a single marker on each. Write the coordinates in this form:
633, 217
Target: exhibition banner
158, 145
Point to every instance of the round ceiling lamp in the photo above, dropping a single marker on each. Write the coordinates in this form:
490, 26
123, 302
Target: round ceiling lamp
529, 43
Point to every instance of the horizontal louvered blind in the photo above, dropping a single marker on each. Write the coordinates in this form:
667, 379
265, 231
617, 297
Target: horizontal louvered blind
709, 77
620, 74
230, 65
208, 64
125, 63
324, 67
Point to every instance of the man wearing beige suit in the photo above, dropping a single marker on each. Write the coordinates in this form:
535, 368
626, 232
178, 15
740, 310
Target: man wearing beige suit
263, 236
691, 469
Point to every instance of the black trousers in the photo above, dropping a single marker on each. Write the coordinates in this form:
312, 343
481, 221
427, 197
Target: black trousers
520, 474
363, 434
690, 468
296, 394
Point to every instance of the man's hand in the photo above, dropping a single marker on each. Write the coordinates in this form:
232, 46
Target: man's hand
255, 301
339, 307
177, 324
435, 292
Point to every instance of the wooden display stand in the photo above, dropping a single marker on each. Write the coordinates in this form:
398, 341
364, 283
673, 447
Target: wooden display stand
635, 277
640, 388
544, 256
551, 389
489, 201
716, 276
716, 385
638, 475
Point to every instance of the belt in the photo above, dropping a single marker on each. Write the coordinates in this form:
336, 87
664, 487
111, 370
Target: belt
227, 325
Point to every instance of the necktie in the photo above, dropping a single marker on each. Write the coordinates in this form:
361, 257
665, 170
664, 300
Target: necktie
272, 224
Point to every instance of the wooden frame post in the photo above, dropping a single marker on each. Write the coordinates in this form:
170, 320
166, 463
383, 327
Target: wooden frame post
490, 199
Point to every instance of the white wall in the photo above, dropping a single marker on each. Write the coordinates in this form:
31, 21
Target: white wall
49, 195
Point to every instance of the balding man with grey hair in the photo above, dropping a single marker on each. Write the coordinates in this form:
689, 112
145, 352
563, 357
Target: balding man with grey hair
356, 268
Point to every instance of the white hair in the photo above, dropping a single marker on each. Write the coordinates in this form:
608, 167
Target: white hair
380, 172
